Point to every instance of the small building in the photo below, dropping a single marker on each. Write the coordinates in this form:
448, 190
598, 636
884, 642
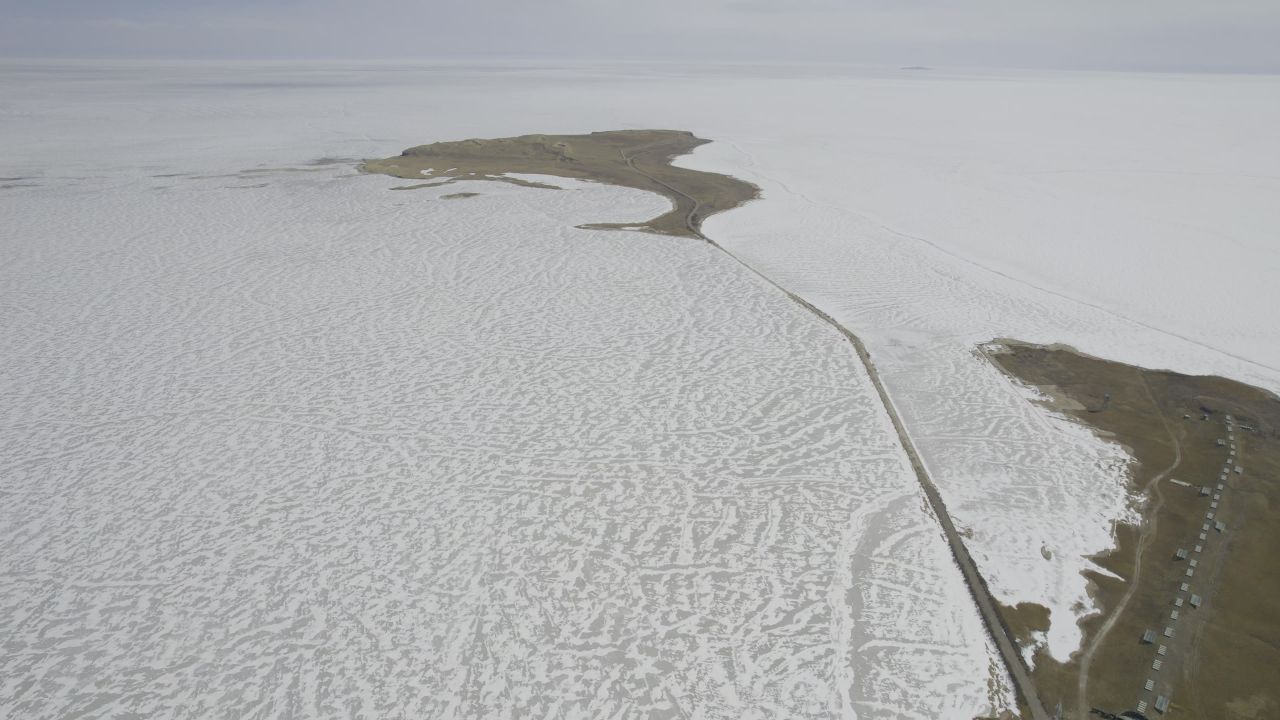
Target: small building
1217, 497
1149, 685
1168, 631
1142, 707
1148, 637
1157, 664
1190, 572
1205, 526
1199, 548
1173, 614
1213, 505
1219, 526
1162, 650
1162, 704
1209, 515
1203, 536
1204, 490
1181, 554
1186, 587
1239, 470
1177, 602
1221, 442
1194, 563
1220, 487
1195, 601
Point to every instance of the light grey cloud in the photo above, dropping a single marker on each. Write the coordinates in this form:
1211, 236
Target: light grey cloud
1096, 34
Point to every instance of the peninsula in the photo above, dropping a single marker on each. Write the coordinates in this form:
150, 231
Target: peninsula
639, 159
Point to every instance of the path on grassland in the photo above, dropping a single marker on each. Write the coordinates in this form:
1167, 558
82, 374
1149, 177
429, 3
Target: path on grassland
1147, 533
977, 586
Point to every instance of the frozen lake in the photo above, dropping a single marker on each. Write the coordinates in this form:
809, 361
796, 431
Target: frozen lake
283, 442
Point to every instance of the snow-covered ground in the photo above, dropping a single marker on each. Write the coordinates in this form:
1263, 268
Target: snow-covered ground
285, 443
188, 349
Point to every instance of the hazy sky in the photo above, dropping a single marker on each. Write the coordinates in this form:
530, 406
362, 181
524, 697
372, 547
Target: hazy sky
1103, 34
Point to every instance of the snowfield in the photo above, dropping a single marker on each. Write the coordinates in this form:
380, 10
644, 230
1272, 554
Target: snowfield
290, 444
278, 441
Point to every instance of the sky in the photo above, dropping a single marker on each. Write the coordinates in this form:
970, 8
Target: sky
1170, 35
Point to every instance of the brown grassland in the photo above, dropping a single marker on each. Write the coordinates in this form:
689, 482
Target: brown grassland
638, 159
1223, 661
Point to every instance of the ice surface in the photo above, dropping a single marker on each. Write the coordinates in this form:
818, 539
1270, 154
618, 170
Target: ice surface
284, 443
190, 348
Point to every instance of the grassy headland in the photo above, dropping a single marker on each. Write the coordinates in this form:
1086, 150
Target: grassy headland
1223, 659
638, 159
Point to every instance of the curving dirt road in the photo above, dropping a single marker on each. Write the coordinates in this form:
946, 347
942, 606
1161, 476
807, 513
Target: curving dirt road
1147, 532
